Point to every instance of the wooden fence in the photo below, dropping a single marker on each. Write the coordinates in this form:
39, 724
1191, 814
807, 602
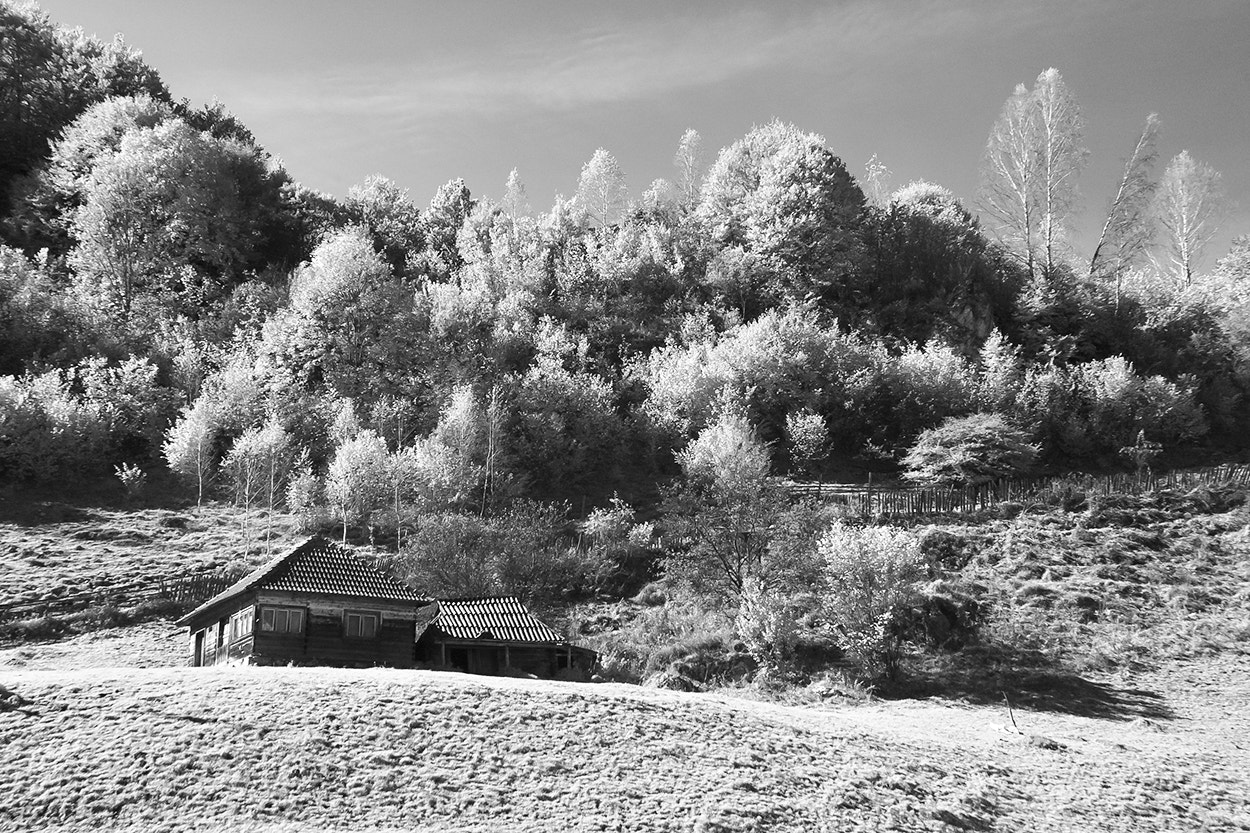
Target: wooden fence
897, 500
189, 589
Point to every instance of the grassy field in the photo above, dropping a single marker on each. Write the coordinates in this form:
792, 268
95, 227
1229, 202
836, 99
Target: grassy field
331, 749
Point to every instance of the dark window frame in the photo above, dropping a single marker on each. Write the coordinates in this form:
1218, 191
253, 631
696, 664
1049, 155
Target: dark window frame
283, 614
362, 616
243, 623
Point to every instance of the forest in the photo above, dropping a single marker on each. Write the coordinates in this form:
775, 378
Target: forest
567, 401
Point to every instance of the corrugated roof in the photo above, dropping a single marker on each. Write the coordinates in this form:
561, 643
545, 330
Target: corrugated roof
318, 566
501, 618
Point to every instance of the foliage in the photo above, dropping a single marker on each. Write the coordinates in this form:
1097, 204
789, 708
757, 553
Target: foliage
133, 479
1189, 204
355, 480
965, 451
932, 271
169, 219
52, 75
809, 439
81, 419
522, 551
873, 576
601, 191
1032, 160
725, 509
783, 195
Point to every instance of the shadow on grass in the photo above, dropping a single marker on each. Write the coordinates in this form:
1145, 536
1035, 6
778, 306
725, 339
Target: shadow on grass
72, 500
52, 627
1028, 683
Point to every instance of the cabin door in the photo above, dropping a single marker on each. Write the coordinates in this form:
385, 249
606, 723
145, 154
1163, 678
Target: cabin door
197, 658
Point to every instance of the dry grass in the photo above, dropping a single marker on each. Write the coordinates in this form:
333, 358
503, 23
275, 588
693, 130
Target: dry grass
55, 550
331, 749
1127, 583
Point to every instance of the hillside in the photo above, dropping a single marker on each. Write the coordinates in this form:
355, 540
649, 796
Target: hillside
51, 550
295, 749
1120, 637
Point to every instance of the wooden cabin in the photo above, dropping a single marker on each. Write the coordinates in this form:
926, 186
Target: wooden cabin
316, 605
499, 635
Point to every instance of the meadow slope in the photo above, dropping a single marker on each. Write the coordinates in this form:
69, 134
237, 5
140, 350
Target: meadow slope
332, 749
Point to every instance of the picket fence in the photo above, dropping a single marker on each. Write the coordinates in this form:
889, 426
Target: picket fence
899, 500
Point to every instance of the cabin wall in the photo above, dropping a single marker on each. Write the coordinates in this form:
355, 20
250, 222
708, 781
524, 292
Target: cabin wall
324, 639
212, 639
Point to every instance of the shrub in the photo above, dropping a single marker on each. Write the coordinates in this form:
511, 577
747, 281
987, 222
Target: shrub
874, 576
133, 478
969, 450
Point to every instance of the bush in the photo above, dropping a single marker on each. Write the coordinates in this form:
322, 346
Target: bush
681, 639
522, 551
874, 576
969, 450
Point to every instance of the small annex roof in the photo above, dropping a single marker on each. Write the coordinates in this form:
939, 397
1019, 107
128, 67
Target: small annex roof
318, 566
497, 619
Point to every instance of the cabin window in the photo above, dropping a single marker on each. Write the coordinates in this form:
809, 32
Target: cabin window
361, 624
241, 624
282, 620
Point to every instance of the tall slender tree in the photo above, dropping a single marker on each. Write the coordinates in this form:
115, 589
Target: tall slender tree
689, 163
1032, 160
876, 182
1062, 156
1127, 231
1189, 205
515, 203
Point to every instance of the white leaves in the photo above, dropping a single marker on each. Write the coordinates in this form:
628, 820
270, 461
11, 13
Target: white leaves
727, 455
1033, 157
1189, 204
601, 191
356, 480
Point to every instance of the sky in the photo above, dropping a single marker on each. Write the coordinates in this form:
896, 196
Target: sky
424, 92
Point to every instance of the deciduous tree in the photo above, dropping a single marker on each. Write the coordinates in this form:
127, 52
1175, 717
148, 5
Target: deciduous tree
601, 191
725, 509
1127, 231
1189, 205
1032, 160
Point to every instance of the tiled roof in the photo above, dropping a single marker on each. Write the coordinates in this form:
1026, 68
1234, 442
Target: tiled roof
318, 566
502, 618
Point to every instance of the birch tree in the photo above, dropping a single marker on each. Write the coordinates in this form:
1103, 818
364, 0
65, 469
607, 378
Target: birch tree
356, 480
689, 163
877, 182
601, 189
188, 446
1127, 231
1188, 206
1062, 156
259, 464
1009, 176
515, 203
1032, 160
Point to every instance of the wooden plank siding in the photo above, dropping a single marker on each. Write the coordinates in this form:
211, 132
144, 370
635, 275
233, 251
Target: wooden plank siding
322, 641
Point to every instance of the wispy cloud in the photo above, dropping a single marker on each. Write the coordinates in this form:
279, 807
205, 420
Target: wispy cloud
644, 60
